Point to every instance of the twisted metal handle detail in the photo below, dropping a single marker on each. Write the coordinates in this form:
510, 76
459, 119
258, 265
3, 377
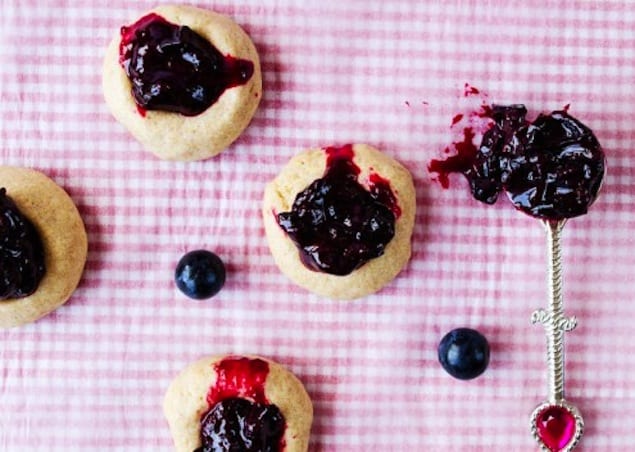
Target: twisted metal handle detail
567, 418
553, 319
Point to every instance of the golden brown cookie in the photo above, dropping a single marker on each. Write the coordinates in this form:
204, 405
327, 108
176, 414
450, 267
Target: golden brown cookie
61, 230
174, 136
379, 174
211, 385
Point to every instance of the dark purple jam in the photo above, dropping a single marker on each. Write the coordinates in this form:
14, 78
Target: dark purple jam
239, 425
21, 252
557, 169
336, 223
490, 164
172, 68
551, 168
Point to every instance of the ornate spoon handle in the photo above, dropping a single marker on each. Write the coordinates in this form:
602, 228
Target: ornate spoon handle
556, 424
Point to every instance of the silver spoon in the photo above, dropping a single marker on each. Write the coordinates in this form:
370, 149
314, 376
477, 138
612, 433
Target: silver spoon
556, 424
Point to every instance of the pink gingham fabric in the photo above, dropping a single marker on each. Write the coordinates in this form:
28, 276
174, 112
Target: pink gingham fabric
390, 73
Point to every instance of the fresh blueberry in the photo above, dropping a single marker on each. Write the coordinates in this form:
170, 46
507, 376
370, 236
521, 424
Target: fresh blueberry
464, 353
200, 274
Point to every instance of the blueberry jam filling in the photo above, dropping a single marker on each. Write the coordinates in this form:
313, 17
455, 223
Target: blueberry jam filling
21, 252
557, 169
551, 168
490, 166
172, 68
336, 223
237, 424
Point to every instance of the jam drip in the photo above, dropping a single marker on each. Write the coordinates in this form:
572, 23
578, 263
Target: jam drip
240, 416
336, 223
21, 252
241, 425
172, 68
239, 377
551, 168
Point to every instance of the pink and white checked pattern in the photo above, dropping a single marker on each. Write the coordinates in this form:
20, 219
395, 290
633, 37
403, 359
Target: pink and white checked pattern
92, 375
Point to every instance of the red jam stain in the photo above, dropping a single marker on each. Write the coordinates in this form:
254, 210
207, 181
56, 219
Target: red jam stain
142, 111
240, 416
239, 377
380, 189
457, 118
485, 112
128, 34
474, 120
342, 155
470, 90
172, 68
461, 162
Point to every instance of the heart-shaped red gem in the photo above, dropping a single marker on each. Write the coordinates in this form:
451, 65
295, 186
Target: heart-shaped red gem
556, 427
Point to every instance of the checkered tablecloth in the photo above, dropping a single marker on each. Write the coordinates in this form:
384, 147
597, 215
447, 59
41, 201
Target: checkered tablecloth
391, 73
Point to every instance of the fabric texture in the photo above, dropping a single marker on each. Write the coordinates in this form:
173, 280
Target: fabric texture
391, 73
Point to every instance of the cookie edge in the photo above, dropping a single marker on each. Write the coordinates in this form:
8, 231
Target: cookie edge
185, 402
296, 175
64, 238
171, 136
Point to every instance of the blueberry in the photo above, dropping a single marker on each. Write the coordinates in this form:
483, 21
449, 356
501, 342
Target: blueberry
200, 274
464, 353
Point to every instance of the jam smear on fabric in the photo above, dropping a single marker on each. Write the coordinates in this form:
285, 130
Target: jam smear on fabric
21, 252
172, 68
240, 416
336, 223
551, 168
461, 162
457, 118
469, 90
